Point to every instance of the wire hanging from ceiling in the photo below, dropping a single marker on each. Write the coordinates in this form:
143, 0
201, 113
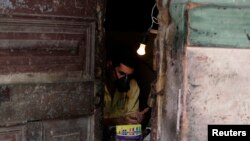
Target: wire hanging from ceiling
154, 19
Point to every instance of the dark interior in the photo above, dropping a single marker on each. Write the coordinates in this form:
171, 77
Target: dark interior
126, 23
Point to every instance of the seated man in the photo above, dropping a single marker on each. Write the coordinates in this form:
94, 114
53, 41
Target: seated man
121, 97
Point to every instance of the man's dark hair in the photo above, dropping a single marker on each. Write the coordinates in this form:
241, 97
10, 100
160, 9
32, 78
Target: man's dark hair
125, 57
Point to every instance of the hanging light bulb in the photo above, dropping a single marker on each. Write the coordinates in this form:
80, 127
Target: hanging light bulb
141, 49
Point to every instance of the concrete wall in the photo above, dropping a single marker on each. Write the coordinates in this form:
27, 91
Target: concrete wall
214, 37
217, 89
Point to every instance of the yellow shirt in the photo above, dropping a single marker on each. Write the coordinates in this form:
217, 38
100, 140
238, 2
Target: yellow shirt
123, 103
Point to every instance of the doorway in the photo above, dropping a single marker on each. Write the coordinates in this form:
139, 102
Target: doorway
126, 26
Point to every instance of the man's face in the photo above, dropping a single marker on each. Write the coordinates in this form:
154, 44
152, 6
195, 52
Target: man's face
123, 74
123, 70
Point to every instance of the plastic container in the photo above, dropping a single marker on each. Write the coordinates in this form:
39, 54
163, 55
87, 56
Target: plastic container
131, 132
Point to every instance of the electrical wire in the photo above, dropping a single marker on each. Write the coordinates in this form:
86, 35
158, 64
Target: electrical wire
153, 19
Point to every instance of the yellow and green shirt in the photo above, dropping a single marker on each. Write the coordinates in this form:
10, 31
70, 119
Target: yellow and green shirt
122, 104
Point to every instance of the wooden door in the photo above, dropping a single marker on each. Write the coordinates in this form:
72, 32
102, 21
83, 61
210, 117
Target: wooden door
47, 62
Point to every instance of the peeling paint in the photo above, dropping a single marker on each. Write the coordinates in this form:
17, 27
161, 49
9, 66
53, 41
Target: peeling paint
37, 34
243, 3
21, 4
4, 4
44, 8
227, 29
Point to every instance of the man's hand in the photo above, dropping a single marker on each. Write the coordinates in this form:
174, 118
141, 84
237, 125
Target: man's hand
137, 117
134, 118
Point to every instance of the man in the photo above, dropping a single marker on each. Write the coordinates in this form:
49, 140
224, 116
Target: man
121, 97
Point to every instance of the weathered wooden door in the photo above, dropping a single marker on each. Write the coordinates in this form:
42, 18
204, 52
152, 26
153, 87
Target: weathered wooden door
47, 62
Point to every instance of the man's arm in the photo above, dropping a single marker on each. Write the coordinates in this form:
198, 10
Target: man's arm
121, 120
135, 118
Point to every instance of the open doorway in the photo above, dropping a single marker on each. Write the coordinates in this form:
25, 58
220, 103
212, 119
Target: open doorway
125, 28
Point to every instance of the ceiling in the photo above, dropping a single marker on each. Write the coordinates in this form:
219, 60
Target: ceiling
128, 15
125, 24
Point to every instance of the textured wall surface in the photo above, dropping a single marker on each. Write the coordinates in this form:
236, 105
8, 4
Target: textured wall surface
223, 2
218, 89
217, 2
215, 37
219, 26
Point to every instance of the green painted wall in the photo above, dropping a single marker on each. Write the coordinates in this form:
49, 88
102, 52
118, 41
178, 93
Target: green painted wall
218, 23
224, 2
219, 26
244, 3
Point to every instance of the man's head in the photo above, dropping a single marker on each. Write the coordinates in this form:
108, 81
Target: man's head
124, 68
